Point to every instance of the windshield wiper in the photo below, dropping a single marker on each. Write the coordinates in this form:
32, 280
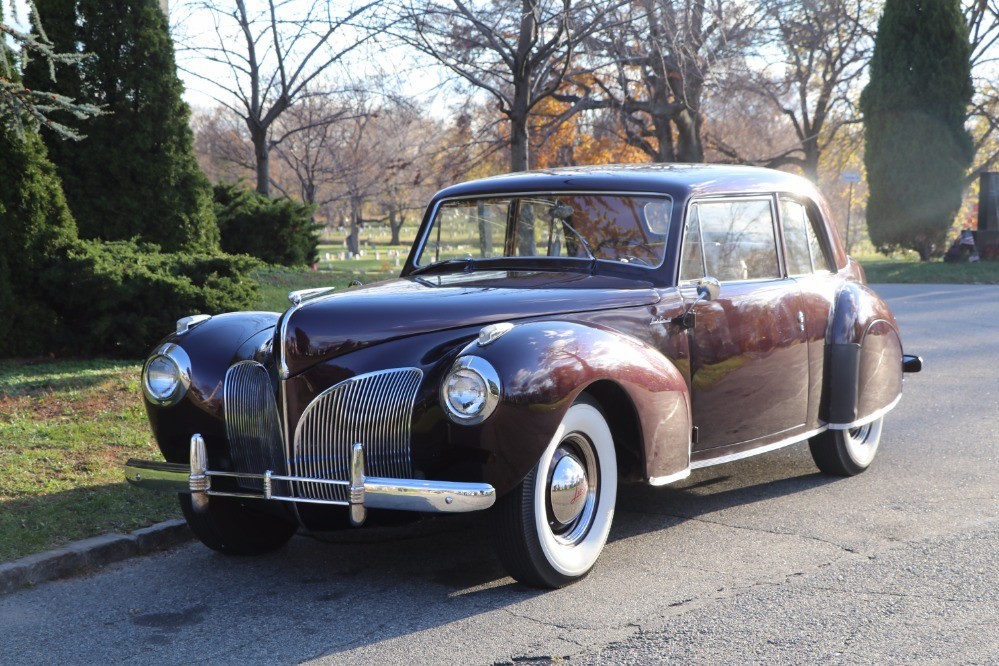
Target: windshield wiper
468, 261
586, 246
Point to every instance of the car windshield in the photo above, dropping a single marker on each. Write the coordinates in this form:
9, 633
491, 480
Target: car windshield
598, 227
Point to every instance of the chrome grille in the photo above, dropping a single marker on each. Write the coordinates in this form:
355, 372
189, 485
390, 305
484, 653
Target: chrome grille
251, 422
375, 409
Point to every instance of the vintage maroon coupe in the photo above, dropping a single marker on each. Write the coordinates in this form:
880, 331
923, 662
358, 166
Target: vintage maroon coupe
552, 334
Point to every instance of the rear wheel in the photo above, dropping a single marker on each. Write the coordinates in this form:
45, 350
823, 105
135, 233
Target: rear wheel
846, 452
233, 527
551, 528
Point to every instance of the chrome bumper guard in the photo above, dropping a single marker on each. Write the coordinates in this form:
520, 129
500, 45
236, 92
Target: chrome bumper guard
363, 491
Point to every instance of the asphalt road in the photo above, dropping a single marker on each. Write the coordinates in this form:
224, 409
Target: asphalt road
759, 561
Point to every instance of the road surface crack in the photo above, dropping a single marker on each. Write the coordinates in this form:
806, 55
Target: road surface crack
719, 523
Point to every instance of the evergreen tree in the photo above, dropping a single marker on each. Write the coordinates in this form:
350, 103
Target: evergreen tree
918, 149
35, 231
20, 105
135, 175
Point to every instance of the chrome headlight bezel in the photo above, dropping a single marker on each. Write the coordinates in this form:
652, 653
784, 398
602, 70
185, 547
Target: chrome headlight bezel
476, 367
182, 364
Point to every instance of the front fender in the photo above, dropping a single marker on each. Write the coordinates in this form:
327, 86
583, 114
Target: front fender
863, 358
544, 366
212, 347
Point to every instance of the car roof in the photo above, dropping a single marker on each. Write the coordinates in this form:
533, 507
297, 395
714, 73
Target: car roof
679, 180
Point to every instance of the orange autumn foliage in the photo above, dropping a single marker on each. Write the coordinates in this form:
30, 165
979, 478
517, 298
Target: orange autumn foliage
577, 141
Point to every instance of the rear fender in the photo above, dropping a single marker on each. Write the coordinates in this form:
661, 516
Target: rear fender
544, 366
863, 365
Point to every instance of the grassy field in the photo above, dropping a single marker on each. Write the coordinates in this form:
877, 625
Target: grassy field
66, 427
913, 271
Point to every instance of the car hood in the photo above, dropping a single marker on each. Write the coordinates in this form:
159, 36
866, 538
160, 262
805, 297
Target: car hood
341, 322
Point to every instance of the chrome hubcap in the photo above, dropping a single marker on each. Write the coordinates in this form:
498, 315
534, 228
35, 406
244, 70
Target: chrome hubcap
860, 435
567, 492
571, 489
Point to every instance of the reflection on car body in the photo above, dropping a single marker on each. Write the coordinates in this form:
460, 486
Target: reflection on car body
552, 334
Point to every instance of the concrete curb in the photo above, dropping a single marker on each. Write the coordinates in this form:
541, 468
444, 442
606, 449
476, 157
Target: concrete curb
89, 554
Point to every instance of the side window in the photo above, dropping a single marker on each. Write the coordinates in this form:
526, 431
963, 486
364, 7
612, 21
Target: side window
737, 239
692, 258
805, 252
820, 258
799, 259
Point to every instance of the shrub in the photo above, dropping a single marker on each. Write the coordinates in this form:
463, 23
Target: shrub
278, 231
35, 229
124, 296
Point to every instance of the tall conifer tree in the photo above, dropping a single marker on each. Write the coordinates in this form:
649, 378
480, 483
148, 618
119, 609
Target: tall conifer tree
35, 227
918, 149
135, 175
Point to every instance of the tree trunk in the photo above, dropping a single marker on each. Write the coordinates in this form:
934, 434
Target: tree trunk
664, 140
395, 226
519, 142
353, 245
810, 145
262, 158
689, 145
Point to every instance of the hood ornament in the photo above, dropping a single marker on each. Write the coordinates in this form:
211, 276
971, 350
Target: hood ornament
296, 297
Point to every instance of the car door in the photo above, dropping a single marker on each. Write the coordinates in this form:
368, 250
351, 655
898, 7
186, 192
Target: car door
809, 263
749, 361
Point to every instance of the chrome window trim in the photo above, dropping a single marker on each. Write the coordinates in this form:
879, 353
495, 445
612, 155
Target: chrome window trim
769, 197
421, 242
728, 196
812, 213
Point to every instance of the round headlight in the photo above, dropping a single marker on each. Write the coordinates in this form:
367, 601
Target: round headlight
167, 375
471, 390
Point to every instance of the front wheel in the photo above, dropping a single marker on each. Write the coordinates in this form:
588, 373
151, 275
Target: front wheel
846, 452
231, 526
551, 528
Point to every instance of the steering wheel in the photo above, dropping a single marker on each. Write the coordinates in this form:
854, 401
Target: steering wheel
627, 242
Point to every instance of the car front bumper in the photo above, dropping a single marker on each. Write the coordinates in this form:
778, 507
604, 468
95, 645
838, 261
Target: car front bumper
363, 492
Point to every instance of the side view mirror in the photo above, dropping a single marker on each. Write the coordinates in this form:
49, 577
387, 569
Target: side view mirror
708, 289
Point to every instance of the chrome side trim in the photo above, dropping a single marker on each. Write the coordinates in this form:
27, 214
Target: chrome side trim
669, 478
867, 419
754, 452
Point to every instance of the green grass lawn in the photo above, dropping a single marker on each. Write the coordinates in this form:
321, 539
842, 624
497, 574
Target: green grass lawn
66, 429
881, 269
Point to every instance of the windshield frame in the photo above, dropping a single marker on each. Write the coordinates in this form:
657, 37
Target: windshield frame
421, 242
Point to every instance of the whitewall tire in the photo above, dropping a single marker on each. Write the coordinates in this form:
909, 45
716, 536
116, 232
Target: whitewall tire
552, 527
846, 452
